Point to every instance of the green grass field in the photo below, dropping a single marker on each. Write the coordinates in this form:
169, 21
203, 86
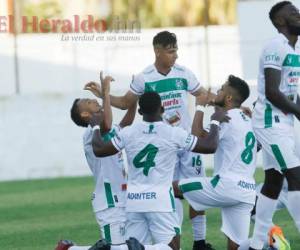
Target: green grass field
36, 214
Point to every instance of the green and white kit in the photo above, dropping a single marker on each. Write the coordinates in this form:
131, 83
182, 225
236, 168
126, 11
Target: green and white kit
273, 127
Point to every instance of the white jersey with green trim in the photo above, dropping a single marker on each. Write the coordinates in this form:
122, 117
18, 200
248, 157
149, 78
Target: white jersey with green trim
108, 172
151, 150
235, 157
277, 54
172, 89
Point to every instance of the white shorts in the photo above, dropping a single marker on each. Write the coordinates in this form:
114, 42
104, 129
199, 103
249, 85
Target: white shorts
112, 224
189, 164
278, 148
152, 227
203, 193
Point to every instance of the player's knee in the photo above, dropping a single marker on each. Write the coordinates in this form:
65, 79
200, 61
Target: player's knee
175, 243
293, 178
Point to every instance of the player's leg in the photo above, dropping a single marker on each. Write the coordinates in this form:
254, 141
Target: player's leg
164, 228
112, 224
191, 165
278, 155
293, 179
236, 224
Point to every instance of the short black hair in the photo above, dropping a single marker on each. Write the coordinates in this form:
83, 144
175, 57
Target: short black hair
240, 86
275, 9
149, 103
164, 39
75, 114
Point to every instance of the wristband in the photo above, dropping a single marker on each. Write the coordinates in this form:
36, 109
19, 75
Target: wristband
200, 108
215, 122
96, 127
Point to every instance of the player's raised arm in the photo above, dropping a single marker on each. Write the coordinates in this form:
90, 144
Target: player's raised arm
209, 143
275, 96
100, 147
121, 102
129, 116
106, 124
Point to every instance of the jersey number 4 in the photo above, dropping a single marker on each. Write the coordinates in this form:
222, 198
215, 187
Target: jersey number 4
247, 154
145, 158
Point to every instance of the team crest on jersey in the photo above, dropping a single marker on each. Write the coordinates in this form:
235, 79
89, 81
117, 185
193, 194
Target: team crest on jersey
179, 83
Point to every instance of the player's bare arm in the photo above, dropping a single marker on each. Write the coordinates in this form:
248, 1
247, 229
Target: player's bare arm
129, 116
121, 102
275, 96
209, 144
106, 123
100, 147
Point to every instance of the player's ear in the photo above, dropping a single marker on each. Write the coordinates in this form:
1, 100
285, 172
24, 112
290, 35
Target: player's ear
140, 111
156, 52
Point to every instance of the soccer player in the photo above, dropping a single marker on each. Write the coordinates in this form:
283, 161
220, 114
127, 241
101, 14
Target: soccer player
151, 147
233, 186
173, 83
110, 184
273, 119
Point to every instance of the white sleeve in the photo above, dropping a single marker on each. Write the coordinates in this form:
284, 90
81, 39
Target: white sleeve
272, 56
193, 83
183, 139
137, 86
119, 139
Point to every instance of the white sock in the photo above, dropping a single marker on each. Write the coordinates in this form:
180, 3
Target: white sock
157, 247
244, 245
199, 227
265, 208
294, 207
79, 248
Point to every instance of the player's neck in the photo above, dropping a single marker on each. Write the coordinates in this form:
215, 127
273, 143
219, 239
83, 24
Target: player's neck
292, 38
151, 118
231, 106
161, 68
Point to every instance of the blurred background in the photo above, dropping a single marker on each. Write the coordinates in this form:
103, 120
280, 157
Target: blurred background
43, 71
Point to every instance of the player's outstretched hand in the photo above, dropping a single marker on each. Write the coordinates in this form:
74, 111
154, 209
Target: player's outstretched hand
95, 120
220, 115
94, 87
105, 82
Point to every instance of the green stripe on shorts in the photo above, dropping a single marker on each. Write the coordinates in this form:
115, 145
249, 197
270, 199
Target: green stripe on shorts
192, 186
108, 194
268, 116
214, 181
107, 235
278, 156
172, 199
177, 230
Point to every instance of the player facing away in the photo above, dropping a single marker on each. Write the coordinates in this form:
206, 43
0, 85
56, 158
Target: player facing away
273, 119
173, 83
151, 147
232, 188
110, 184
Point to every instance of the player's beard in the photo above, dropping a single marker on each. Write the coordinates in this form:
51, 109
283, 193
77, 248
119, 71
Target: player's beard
294, 29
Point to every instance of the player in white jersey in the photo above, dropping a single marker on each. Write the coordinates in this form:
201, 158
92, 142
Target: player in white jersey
173, 83
232, 188
110, 183
277, 104
151, 147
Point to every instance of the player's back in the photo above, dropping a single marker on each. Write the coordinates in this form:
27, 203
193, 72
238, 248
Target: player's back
236, 153
151, 150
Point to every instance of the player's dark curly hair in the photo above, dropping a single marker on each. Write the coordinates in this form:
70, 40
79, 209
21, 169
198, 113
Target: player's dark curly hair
75, 115
275, 9
164, 39
240, 86
149, 103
